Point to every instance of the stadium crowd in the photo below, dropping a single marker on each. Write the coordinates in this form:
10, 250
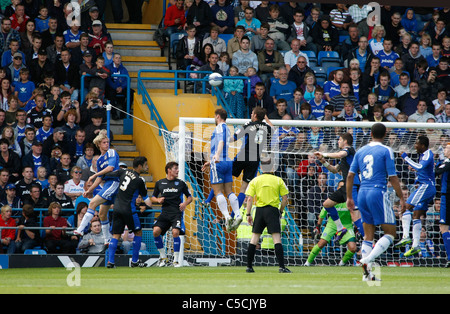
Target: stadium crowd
309, 61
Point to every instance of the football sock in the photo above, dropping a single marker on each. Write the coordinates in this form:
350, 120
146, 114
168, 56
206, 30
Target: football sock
347, 256
314, 252
176, 248
279, 254
234, 202
112, 250
250, 254
210, 196
223, 205
366, 248
417, 228
359, 225
446, 238
160, 246
137, 240
335, 216
105, 230
406, 223
241, 199
381, 246
86, 219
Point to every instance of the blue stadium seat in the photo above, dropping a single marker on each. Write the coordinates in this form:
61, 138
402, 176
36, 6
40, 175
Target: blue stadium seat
35, 252
329, 58
311, 57
320, 73
342, 38
331, 69
226, 37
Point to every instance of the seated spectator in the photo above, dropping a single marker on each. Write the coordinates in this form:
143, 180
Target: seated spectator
333, 87
62, 170
10, 198
76, 147
60, 197
244, 57
283, 88
54, 51
279, 28
4, 179
174, 19
42, 19
305, 114
27, 238
340, 18
49, 35
421, 115
75, 220
378, 114
13, 70
39, 66
391, 112
338, 101
108, 54
440, 102
219, 45
222, 17
201, 58
19, 19
91, 104
443, 117
85, 161
72, 35
376, 42
408, 102
396, 71
46, 130
98, 37
294, 105
36, 115
387, 55
66, 104
262, 11
8, 236
212, 66
78, 53
234, 44
250, 23
313, 17
75, 186
8, 55
309, 86
403, 87
252, 74
9, 134
433, 58
261, 99
301, 31
56, 240
26, 143
56, 139
35, 198
325, 35
127, 243
410, 22
200, 15
10, 160
362, 53
299, 70
384, 90
94, 241
443, 72
41, 177
24, 88
269, 59
280, 111
10, 114
318, 103
349, 112
67, 75
93, 128
258, 41
412, 58
187, 48
370, 78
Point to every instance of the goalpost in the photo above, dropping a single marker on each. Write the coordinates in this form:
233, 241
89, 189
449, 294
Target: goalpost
309, 184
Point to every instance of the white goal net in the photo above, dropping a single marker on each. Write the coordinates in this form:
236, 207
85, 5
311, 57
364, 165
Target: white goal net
293, 143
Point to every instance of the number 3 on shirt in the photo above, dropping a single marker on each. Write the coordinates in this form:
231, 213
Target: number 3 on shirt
368, 172
125, 183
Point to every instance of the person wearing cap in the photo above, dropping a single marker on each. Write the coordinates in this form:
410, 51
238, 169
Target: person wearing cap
98, 37
40, 66
13, 70
35, 158
10, 198
57, 138
79, 52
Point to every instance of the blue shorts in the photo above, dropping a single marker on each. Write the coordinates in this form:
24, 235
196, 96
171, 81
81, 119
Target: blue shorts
221, 172
375, 207
421, 197
109, 191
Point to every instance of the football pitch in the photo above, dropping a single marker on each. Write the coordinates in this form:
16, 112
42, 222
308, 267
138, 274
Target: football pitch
222, 280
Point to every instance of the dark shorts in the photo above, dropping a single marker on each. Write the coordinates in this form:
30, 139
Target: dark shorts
267, 216
444, 218
125, 218
340, 195
250, 169
170, 219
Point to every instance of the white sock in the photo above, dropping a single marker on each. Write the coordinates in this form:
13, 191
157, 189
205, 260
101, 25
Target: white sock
176, 256
366, 248
105, 230
417, 228
223, 205
162, 253
86, 220
381, 246
234, 204
406, 223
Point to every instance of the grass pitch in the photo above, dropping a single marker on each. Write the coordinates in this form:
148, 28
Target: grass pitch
222, 280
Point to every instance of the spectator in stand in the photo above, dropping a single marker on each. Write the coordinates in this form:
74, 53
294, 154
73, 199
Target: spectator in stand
54, 51
223, 17
8, 33
19, 19
384, 90
393, 28
439, 31
291, 56
294, 106
340, 18
281, 110
4, 179
117, 86
75, 220
421, 115
370, 78
39, 66
301, 31
219, 45
98, 37
85, 161
71, 127
283, 88
269, 59
175, 19
359, 12
36, 115
56, 241
257, 42
333, 87
387, 55
244, 57
435, 56
83, 49
26, 238
94, 241
412, 58
338, 101
440, 103
41, 21
234, 43
67, 75
409, 101
35, 159
313, 17
36, 197
261, 99
8, 55
188, 47
278, 28
200, 15
10, 160
350, 43
299, 70
75, 186
250, 23
56, 139
362, 53
49, 36
72, 35
13, 70
60, 197
262, 11
8, 236
376, 42
325, 35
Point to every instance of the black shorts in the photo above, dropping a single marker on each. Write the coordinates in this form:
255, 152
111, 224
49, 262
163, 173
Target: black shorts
267, 216
122, 218
339, 196
170, 219
250, 169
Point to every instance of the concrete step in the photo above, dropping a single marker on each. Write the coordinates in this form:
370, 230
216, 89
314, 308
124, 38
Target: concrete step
124, 26
124, 147
132, 34
138, 51
136, 66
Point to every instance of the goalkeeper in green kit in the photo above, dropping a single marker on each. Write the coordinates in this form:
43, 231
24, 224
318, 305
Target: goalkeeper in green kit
330, 231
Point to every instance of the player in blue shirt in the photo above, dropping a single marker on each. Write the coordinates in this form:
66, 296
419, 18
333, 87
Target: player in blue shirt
375, 163
221, 168
418, 200
106, 163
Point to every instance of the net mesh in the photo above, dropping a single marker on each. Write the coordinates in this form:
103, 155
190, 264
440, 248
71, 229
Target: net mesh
309, 182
